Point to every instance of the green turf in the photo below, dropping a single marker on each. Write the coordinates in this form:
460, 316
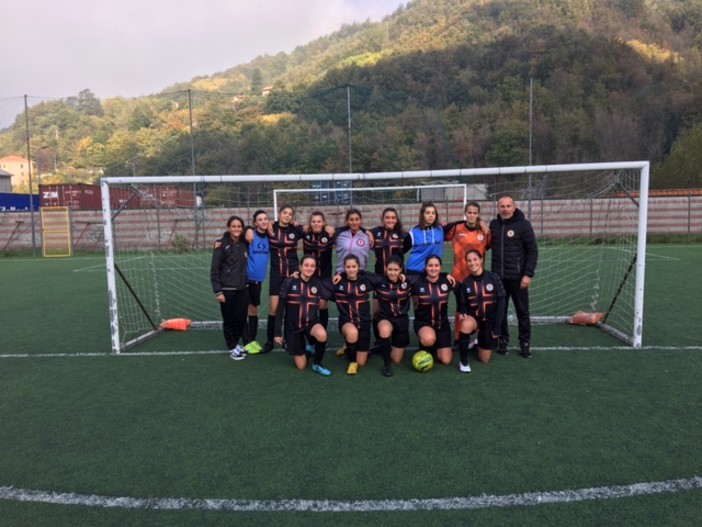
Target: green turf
203, 426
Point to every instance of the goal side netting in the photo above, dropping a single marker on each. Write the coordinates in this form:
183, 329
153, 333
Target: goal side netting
589, 219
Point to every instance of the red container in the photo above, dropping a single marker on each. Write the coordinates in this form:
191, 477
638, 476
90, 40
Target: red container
74, 196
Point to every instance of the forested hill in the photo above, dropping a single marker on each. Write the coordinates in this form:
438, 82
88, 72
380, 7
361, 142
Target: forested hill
436, 84
661, 30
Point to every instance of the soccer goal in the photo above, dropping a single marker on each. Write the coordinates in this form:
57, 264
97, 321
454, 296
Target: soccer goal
589, 219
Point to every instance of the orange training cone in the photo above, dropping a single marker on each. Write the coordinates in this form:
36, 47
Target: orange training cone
176, 324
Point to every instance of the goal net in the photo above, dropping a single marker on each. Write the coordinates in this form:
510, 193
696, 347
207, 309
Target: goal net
589, 219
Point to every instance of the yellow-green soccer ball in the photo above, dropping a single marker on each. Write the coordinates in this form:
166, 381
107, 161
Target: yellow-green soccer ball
422, 361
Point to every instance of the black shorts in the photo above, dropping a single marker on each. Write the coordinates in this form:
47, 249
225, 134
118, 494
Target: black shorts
485, 339
444, 337
400, 337
364, 335
255, 293
296, 341
276, 282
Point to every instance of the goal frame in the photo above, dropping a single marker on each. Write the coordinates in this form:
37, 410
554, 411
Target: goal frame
637, 266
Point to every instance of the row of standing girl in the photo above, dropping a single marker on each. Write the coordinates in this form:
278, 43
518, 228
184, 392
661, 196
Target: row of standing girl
300, 290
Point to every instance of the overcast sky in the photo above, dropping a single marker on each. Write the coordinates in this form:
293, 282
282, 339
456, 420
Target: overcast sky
129, 48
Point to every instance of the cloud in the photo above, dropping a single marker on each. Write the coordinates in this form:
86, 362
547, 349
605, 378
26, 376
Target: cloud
136, 47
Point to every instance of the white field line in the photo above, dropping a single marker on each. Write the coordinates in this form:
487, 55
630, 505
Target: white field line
293, 505
224, 352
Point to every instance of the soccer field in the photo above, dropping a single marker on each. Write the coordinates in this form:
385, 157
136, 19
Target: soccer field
589, 432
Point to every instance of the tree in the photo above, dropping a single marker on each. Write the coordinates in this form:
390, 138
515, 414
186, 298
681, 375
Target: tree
256, 82
682, 167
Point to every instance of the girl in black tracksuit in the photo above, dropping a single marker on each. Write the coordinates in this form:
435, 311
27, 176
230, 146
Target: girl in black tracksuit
230, 283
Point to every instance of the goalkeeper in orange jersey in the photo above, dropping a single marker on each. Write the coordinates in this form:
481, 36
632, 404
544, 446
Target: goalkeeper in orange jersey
471, 234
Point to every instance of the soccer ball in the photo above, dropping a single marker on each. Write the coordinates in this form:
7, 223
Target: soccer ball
422, 361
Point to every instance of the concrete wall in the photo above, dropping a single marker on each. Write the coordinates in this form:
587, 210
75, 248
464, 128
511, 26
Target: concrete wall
552, 219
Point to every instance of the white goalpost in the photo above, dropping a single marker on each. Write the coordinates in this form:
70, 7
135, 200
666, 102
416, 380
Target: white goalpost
589, 219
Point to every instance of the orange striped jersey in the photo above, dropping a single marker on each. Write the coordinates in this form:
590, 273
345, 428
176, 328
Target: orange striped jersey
465, 239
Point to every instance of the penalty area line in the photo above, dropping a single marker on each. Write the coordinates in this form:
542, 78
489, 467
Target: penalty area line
467, 503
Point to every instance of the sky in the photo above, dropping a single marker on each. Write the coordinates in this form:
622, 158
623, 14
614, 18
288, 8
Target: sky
130, 48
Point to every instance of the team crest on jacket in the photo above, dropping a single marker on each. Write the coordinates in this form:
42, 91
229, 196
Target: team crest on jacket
291, 235
360, 242
294, 287
324, 239
314, 290
444, 287
363, 287
403, 285
510, 233
394, 236
489, 287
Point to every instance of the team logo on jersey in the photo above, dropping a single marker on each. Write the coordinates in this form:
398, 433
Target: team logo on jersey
314, 290
394, 236
294, 287
469, 290
444, 287
291, 235
324, 239
481, 237
489, 287
360, 242
510, 233
363, 287
403, 285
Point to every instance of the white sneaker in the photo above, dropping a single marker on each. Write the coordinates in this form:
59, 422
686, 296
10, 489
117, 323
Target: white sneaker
465, 368
237, 353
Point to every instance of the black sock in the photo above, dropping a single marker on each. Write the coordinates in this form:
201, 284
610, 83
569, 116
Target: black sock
324, 317
271, 328
351, 351
463, 343
319, 349
385, 349
253, 327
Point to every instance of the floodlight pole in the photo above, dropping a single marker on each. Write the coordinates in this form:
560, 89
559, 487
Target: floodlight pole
29, 158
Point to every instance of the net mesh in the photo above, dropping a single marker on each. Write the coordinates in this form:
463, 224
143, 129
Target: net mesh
586, 223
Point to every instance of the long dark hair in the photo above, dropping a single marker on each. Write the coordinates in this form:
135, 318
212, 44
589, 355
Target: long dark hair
231, 220
423, 208
398, 226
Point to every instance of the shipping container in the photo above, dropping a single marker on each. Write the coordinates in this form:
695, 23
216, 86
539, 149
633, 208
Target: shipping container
81, 196
77, 196
17, 202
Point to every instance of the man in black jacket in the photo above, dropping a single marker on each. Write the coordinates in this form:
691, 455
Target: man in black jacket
514, 255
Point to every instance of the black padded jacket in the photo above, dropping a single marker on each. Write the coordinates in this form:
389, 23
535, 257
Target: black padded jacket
229, 261
514, 251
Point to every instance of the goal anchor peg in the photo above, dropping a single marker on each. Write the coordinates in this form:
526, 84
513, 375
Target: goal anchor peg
586, 318
176, 324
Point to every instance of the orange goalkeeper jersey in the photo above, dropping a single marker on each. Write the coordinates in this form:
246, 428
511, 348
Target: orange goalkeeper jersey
464, 239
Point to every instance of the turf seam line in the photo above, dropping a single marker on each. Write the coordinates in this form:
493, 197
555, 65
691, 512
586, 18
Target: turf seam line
301, 505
